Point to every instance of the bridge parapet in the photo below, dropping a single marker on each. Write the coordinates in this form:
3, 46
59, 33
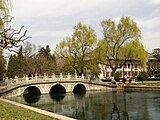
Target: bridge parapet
38, 78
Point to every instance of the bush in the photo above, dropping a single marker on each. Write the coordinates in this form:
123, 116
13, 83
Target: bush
117, 76
106, 80
157, 75
153, 79
142, 76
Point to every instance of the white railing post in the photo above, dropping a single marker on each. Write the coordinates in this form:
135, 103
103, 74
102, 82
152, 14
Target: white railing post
53, 76
82, 77
69, 76
32, 77
16, 79
27, 78
61, 76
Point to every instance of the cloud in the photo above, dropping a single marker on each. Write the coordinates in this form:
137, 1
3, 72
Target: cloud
53, 20
157, 2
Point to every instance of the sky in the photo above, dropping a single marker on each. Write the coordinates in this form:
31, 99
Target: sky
50, 21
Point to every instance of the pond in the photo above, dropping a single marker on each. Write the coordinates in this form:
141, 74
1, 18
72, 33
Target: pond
101, 105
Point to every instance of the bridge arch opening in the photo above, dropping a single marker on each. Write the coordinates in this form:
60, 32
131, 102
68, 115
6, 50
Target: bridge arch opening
79, 89
57, 89
32, 94
57, 92
32, 90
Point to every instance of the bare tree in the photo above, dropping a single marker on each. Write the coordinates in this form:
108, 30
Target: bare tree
9, 37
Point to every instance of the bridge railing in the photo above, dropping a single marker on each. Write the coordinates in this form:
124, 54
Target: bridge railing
45, 77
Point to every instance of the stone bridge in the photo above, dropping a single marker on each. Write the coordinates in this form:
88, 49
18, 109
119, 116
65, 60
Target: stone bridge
51, 85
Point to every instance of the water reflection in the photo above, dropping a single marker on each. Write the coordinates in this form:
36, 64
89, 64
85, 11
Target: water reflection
116, 114
101, 105
29, 98
57, 97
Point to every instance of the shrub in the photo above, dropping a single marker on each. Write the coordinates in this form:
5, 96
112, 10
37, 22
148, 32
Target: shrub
117, 76
106, 80
142, 76
157, 75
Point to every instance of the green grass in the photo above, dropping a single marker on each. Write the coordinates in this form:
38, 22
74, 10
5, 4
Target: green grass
156, 84
12, 112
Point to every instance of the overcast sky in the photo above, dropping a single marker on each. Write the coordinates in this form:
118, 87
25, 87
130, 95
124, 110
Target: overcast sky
49, 21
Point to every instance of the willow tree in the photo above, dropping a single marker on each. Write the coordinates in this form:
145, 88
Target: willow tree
76, 50
114, 49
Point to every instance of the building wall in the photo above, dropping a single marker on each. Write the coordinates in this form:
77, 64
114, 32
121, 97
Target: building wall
131, 68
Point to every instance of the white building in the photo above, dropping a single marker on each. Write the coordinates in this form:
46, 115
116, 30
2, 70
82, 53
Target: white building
130, 68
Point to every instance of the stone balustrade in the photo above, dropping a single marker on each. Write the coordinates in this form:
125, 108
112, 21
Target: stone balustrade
45, 77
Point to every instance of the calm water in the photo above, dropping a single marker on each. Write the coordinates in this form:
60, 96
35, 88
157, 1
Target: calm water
100, 105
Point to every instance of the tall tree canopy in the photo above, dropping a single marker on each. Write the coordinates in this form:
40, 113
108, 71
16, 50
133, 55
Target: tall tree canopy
117, 45
77, 49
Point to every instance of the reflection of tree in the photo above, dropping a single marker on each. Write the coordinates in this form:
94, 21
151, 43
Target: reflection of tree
125, 113
115, 114
115, 111
80, 112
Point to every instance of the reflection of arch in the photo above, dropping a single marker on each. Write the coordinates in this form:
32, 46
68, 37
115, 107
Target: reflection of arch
57, 89
32, 90
79, 89
57, 92
32, 94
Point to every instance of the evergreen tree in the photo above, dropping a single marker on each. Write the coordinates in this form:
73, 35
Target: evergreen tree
12, 67
2, 67
20, 63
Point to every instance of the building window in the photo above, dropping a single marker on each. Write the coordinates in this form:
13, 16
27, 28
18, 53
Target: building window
135, 65
129, 65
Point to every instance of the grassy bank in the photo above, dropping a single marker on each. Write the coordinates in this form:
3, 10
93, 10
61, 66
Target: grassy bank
156, 84
12, 112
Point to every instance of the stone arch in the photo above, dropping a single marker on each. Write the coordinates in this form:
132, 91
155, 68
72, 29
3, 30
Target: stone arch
31, 94
32, 90
57, 89
57, 92
79, 89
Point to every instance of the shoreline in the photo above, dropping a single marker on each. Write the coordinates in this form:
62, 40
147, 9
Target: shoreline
38, 111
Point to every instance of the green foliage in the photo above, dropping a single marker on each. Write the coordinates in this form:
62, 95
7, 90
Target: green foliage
117, 76
135, 50
113, 49
45, 62
142, 76
153, 79
77, 49
26, 62
12, 70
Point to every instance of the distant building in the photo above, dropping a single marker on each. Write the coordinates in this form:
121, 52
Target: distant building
153, 66
130, 68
